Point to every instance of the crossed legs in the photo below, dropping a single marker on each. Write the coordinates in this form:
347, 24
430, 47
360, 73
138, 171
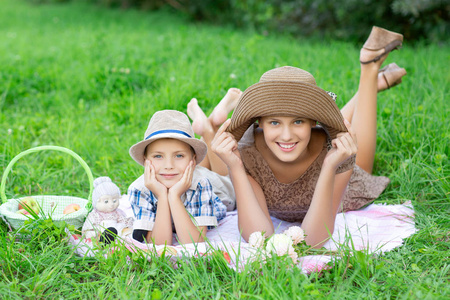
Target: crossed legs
361, 110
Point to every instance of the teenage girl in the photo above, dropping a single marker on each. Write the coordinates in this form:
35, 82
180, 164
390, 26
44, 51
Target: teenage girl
299, 157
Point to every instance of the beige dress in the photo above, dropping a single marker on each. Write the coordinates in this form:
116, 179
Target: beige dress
290, 201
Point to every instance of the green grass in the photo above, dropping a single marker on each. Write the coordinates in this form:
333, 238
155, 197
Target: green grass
89, 79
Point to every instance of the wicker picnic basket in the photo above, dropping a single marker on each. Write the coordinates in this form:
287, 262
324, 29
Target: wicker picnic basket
50, 205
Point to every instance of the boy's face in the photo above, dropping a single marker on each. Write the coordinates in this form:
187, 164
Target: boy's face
170, 158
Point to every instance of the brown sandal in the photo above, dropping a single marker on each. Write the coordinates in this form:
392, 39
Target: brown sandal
392, 74
380, 38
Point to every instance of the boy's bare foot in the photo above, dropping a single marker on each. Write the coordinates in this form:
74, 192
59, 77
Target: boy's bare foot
199, 119
225, 106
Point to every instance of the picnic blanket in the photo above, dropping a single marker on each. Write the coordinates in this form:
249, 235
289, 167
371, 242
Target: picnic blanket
375, 229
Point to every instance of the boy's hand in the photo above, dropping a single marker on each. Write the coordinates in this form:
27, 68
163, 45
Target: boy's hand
185, 182
150, 181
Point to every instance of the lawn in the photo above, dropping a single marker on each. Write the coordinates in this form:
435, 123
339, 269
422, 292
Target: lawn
89, 79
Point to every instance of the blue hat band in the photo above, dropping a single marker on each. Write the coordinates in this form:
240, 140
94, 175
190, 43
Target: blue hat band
168, 131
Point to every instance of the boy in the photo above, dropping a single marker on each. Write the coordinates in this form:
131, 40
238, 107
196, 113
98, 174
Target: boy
174, 191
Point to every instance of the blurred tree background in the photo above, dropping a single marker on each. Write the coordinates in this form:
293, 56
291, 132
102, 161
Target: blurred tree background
418, 20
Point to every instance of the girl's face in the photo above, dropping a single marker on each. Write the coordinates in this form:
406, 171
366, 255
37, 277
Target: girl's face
107, 203
170, 158
286, 137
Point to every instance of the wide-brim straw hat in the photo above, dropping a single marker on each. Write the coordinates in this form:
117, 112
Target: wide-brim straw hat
286, 91
169, 124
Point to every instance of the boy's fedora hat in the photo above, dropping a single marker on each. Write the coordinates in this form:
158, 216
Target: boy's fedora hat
169, 124
286, 91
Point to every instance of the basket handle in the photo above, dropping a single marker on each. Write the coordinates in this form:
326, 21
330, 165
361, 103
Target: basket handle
37, 149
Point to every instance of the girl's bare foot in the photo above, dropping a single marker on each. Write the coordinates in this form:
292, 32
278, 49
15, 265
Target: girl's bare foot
225, 106
199, 119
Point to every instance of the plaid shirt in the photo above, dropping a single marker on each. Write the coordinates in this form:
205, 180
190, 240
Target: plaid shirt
201, 203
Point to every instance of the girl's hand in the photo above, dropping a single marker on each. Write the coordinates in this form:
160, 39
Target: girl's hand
226, 147
185, 182
344, 146
150, 181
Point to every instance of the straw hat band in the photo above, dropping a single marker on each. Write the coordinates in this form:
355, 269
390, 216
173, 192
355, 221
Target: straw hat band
168, 131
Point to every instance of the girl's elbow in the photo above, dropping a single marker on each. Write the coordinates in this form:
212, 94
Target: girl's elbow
318, 239
268, 231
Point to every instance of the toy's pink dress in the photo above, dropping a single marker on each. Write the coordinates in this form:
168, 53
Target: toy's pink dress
97, 221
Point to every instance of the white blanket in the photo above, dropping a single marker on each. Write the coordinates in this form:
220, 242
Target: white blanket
377, 228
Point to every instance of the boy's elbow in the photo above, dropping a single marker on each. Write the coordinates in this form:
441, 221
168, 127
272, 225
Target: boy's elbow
192, 240
160, 242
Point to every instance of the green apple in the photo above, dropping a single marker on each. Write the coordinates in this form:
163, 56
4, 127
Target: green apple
28, 203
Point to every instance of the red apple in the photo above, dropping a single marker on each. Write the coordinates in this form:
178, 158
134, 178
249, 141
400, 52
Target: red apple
29, 203
226, 256
23, 211
71, 208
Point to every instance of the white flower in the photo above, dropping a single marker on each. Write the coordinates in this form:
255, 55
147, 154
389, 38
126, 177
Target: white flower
281, 244
295, 233
9, 131
260, 257
256, 239
233, 76
293, 255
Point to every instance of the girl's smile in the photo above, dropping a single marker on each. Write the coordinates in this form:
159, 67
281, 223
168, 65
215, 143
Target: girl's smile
287, 147
286, 137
